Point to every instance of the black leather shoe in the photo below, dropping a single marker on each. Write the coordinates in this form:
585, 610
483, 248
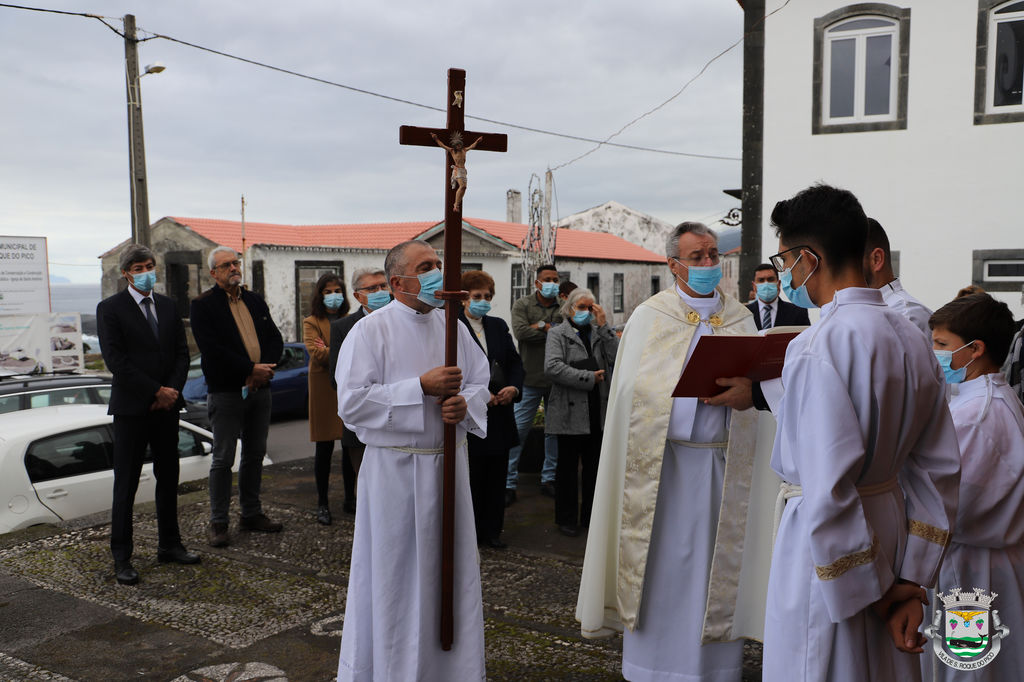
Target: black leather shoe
547, 489
217, 535
495, 543
510, 496
125, 573
323, 515
569, 531
261, 523
178, 555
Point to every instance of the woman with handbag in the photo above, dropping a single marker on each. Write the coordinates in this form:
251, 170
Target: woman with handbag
488, 457
578, 360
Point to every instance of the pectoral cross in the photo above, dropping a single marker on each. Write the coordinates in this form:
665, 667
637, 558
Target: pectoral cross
454, 190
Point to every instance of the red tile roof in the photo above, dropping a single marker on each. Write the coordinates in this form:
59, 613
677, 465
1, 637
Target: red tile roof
576, 244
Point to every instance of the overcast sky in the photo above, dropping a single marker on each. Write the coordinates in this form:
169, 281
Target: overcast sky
306, 153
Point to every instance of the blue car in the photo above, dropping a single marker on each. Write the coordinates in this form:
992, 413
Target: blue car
289, 388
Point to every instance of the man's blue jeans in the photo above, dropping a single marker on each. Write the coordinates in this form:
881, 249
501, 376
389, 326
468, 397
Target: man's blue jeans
525, 411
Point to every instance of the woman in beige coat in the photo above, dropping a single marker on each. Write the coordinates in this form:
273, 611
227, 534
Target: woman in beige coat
329, 303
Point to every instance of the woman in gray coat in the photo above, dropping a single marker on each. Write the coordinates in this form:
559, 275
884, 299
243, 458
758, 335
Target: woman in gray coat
578, 360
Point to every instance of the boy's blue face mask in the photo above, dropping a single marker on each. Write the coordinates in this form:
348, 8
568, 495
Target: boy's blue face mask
945, 358
799, 295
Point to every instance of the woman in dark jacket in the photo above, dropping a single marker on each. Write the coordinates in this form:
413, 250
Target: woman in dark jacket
488, 457
578, 360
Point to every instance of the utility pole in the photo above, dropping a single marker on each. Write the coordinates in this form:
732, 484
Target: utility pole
245, 270
136, 142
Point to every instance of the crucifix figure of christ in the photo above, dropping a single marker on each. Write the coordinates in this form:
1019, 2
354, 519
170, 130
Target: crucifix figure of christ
452, 294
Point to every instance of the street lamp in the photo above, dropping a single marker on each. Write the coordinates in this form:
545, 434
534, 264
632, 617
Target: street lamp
136, 140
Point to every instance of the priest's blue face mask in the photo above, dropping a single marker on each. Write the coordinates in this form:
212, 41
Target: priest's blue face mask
430, 282
702, 279
799, 295
945, 358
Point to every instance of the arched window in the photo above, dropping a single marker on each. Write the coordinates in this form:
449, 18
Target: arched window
999, 86
861, 59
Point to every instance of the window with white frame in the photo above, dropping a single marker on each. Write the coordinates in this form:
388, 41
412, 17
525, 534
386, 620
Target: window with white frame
520, 287
861, 60
618, 293
998, 269
999, 84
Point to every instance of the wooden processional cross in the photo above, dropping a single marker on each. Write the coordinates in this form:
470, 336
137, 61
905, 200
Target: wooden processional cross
456, 141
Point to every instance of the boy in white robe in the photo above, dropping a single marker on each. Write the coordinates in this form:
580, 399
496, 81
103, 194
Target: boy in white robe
390, 380
864, 431
971, 336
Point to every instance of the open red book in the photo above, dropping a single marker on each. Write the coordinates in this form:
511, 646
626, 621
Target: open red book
758, 357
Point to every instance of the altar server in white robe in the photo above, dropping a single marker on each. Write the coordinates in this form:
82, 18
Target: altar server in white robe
662, 562
864, 429
878, 272
389, 377
971, 336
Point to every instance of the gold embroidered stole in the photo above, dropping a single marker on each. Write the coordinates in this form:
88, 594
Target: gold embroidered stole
661, 363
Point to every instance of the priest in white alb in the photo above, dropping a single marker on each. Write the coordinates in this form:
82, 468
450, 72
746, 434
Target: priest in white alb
390, 374
676, 535
867, 448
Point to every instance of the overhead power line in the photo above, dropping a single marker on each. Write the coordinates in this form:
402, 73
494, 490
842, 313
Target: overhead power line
605, 142
152, 35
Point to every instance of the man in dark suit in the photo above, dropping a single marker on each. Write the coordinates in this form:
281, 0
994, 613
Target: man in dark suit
769, 310
241, 346
143, 343
370, 288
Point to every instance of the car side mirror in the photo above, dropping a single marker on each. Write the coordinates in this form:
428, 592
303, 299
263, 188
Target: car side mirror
207, 447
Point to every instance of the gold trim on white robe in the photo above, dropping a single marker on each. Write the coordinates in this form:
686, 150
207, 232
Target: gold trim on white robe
629, 473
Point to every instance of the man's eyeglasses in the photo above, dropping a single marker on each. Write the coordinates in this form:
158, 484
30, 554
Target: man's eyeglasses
229, 264
778, 261
697, 260
374, 288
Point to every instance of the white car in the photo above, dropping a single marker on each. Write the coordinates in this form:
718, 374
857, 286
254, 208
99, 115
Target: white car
56, 463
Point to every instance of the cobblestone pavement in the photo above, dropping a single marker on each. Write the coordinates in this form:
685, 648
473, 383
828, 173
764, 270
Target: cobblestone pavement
269, 606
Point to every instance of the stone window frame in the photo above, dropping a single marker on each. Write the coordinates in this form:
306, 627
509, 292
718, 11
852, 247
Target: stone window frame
618, 292
982, 116
899, 14
980, 256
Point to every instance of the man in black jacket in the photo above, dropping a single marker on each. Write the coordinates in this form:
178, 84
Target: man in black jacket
240, 345
769, 307
370, 288
143, 343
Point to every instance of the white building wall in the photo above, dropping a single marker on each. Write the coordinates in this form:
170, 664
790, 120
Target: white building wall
941, 188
